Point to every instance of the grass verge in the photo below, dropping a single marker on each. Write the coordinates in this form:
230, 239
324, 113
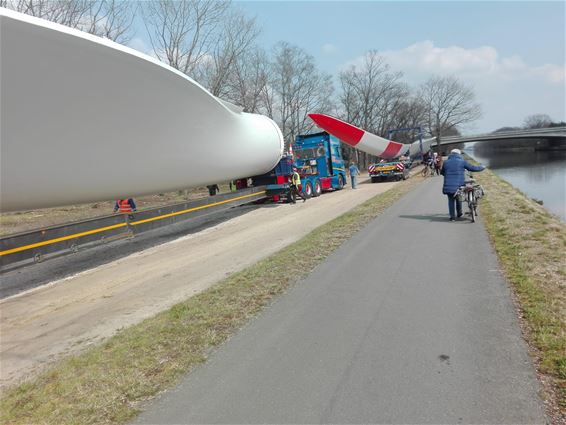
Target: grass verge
108, 383
531, 243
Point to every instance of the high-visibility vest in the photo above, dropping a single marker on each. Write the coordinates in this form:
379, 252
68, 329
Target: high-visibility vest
124, 206
296, 179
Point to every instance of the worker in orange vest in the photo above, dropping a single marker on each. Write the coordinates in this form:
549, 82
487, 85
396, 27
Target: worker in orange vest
125, 206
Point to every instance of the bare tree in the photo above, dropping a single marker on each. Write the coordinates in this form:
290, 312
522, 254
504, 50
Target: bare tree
111, 19
247, 84
296, 87
449, 103
71, 13
537, 121
373, 91
182, 33
410, 113
371, 96
233, 42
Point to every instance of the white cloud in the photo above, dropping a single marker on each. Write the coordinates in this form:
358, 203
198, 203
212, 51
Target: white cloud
329, 49
480, 62
508, 88
553, 73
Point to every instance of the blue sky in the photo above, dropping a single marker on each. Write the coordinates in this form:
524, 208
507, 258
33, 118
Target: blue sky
511, 52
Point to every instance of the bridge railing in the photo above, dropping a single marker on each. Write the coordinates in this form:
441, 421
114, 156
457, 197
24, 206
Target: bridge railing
554, 131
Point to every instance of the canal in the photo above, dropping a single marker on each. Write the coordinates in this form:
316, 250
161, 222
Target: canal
539, 174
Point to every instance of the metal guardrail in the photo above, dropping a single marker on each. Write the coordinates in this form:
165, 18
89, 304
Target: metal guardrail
39, 244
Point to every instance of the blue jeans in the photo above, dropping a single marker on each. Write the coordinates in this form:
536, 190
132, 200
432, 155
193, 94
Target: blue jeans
451, 201
354, 181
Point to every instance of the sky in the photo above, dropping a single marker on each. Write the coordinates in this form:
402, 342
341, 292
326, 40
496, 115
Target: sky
511, 52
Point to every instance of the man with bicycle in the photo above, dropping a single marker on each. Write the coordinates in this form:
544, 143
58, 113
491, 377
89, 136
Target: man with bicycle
453, 170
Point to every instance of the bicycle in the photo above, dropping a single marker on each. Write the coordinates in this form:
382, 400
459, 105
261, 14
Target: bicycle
470, 192
428, 170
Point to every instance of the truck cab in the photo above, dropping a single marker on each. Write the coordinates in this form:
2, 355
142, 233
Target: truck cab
319, 162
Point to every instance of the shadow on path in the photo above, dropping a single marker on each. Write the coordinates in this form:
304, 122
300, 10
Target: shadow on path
437, 217
428, 217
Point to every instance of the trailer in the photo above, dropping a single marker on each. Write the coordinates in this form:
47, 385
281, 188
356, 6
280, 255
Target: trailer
277, 180
319, 162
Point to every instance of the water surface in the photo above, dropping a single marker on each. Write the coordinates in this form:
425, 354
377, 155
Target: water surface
538, 174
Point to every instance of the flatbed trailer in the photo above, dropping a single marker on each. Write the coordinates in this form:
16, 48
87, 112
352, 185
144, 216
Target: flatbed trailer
277, 180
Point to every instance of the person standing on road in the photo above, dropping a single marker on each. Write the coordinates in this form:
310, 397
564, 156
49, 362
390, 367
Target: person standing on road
295, 187
354, 173
454, 177
125, 206
437, 163
213, 189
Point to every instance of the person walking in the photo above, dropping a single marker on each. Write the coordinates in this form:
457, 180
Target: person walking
453, 170
295, 187
354, 173
125, 206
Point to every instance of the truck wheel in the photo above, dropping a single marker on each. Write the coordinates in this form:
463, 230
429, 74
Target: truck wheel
317, 188
340, 182
374, 179
308, 189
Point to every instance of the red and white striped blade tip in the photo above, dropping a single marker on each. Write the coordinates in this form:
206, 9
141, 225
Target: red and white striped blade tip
348, 133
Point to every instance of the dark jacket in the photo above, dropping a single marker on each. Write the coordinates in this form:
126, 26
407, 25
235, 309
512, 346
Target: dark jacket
453, 172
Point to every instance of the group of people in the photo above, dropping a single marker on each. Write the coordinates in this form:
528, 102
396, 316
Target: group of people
453, 170
434, 162
295, 187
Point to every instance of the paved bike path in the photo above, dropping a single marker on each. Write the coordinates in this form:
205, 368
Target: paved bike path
410, 321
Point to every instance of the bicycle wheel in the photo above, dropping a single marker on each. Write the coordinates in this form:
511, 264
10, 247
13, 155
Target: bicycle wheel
472, 205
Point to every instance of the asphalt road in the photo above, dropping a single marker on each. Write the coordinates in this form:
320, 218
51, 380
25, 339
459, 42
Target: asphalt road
69, 263
410, 321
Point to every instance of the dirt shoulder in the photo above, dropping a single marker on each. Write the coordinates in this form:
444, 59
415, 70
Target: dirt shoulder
67, 316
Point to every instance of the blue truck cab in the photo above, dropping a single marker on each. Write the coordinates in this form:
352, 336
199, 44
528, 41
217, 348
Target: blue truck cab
319, 161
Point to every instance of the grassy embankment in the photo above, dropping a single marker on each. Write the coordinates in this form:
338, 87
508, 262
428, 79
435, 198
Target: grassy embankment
108, 383
531, 245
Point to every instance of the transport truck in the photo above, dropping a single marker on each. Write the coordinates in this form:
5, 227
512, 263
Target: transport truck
319, 162
396, 170
277, 180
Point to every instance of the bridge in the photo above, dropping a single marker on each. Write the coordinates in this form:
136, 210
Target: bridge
554, 133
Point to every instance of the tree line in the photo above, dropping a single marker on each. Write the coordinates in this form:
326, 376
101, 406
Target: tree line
533, 122
216, 44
